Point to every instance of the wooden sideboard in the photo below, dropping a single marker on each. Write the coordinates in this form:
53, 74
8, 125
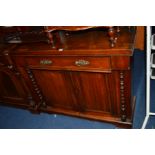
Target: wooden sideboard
83, 76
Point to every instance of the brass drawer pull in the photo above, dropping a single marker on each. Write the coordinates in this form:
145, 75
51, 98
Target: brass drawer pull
45, 62
82, 63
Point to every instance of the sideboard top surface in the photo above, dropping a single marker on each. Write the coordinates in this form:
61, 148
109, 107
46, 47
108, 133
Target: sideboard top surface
84, 42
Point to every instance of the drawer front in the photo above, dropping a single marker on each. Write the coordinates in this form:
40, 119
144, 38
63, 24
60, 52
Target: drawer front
120, 62
71, 63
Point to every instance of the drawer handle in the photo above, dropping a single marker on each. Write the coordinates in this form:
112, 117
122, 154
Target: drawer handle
45, 62
82, 63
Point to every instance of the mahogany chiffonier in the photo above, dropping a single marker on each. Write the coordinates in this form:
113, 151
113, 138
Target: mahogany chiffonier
79, 73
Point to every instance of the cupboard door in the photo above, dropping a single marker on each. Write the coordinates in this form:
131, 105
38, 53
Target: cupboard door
56, 88
98, 93
11, 88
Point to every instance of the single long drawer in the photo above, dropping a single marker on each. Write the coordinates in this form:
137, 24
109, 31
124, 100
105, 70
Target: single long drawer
71, 63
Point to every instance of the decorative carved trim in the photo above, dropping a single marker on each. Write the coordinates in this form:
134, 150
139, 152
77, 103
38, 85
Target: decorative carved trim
51, 39
122, 97
31, 101
113, 34
36, 88
70, 28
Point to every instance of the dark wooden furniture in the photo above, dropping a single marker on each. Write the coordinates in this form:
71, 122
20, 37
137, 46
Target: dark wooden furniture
112, 32
82, 77
13, 89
